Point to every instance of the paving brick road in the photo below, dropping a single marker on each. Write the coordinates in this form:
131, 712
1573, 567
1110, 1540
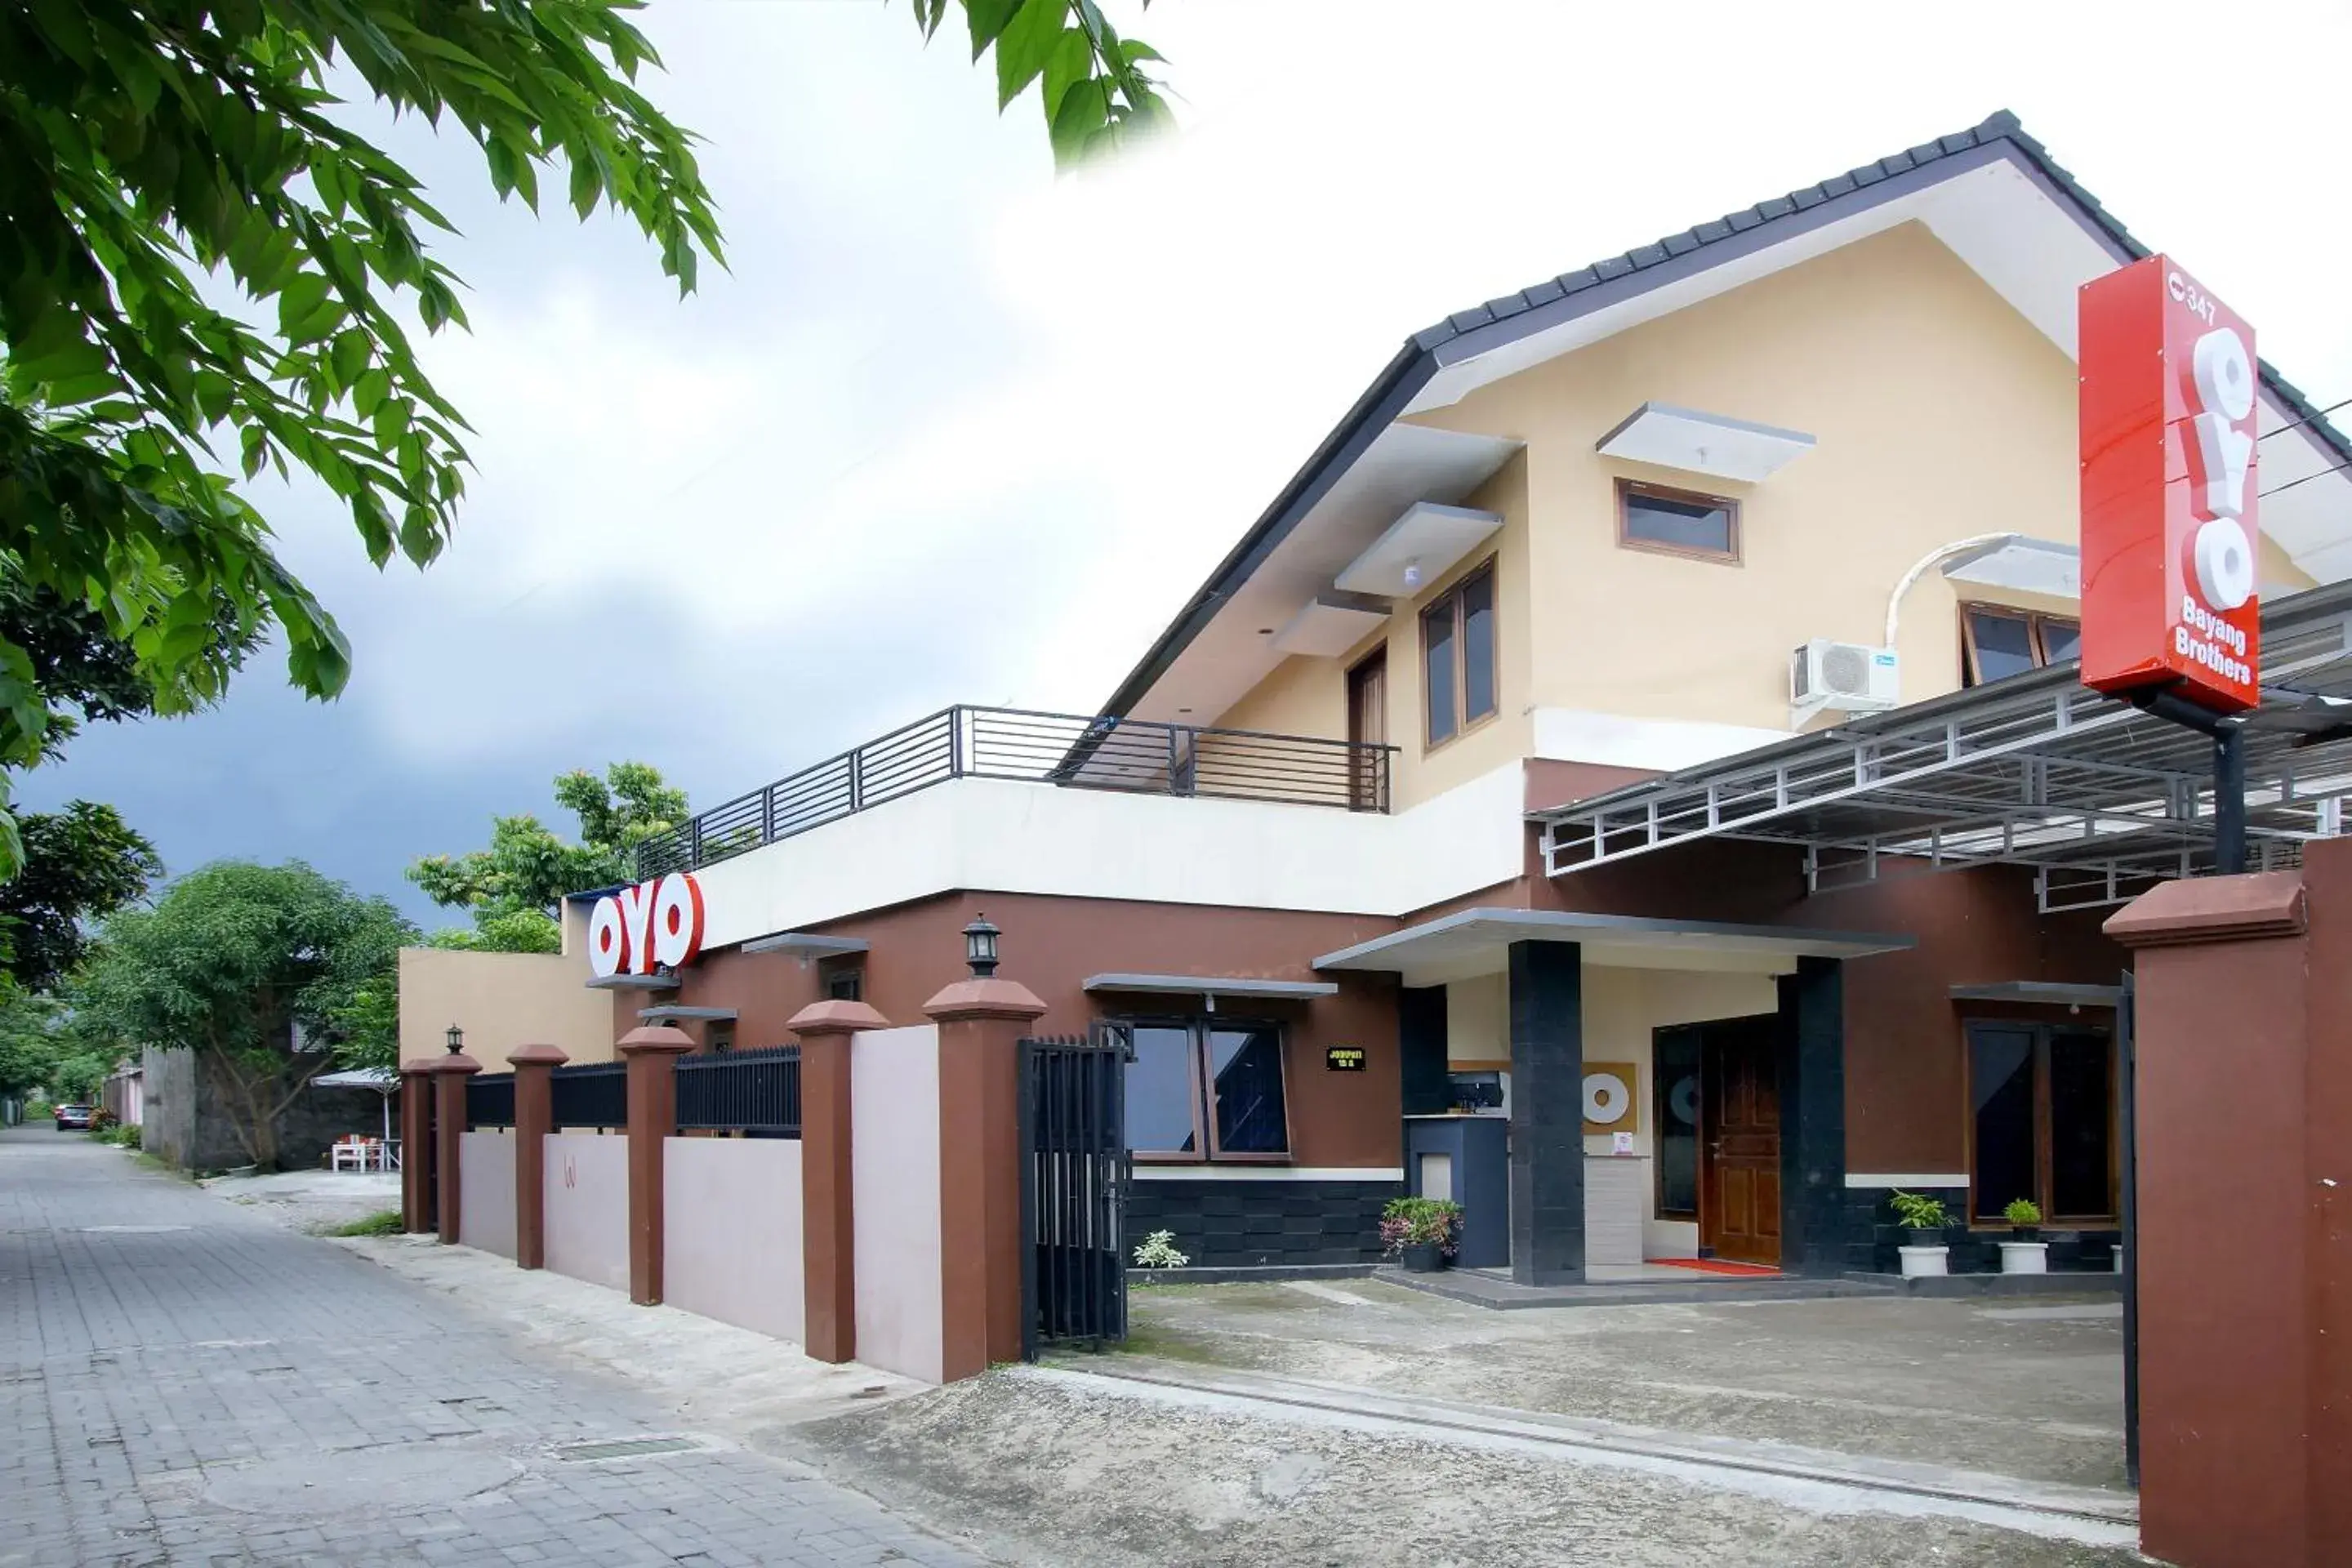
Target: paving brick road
182, 1382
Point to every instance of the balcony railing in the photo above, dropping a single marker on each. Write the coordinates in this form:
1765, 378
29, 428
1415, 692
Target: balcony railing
1134, 756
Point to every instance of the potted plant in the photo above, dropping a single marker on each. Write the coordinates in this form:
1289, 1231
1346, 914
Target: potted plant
1424, 1233
1919, 1214
2024, 1252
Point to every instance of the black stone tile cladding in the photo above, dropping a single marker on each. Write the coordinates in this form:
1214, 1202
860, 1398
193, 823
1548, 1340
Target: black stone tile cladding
1248, 1224
1872, 1237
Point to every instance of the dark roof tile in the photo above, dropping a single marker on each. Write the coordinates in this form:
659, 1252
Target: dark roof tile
1779, 206
1925, 153
1681, 244
1744, 219
1958, 142
1613, 267
1646, 256
1868, 174
1545, 293
1463, 320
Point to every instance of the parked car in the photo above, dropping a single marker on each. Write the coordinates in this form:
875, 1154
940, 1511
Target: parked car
73, 1117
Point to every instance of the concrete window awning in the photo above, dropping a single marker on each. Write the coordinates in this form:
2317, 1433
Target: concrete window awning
1478, 941
668, 1014
806, 944
1211, 988
635, 983
2041, 993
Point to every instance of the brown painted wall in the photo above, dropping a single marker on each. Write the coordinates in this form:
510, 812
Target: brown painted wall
1053, 944
1907, 1085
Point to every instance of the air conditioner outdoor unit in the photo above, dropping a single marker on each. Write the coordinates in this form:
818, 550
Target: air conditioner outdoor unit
1853, 678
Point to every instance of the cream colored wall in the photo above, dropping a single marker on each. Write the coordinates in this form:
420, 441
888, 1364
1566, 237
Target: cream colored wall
502, 1001
894, 1096
486, 1165
731, 1226
1478, 1024
1307, 695
585, 1198
1940, 413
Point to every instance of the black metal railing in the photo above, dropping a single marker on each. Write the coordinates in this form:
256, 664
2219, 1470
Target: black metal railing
489, 1099
757, 1092
594, 1094
1135, 756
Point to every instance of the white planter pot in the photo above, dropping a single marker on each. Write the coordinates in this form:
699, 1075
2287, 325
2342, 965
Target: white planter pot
1922, 1262
2025, 1257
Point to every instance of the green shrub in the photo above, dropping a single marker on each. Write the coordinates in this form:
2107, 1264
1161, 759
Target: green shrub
1917, 1211
1412, 1221
2022, 1212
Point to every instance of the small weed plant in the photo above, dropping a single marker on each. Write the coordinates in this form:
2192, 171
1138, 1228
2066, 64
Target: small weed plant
1159, 1251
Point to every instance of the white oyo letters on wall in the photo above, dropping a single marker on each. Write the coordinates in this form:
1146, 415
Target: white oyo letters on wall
678, 920
608, 945
655, 923
2223, 375
636, 926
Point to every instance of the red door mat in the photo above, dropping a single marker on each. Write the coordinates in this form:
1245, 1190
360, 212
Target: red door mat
1714, 1266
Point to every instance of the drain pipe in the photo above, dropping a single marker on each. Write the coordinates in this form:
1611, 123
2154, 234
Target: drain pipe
1941, 553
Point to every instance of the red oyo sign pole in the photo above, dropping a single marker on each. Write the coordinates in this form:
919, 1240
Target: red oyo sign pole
2171, 615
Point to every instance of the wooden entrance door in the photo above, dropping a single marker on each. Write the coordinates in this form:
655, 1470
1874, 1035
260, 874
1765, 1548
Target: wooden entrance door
1368, 725
1740, 1154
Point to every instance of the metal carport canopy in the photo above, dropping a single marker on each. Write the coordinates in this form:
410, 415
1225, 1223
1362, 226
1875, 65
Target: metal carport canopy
2101, 799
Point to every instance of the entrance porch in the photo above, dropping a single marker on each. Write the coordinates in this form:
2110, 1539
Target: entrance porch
1601, 1091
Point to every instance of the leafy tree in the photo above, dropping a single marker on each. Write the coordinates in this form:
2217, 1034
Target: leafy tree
516, 931
228, 962
81, 863
159, 156
528, 869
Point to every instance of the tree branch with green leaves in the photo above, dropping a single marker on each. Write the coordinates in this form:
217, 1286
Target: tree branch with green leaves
205, 273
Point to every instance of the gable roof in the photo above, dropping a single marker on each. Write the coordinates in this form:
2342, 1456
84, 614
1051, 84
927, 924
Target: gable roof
1420, 369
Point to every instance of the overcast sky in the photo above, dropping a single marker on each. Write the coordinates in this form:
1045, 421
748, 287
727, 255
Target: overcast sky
952, 429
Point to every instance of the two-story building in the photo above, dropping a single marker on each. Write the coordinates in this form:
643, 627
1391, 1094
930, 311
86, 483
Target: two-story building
1630, 778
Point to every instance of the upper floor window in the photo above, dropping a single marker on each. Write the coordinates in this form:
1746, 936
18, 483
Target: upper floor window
1679, 522
1457, 649
1204, 1089
1996, 643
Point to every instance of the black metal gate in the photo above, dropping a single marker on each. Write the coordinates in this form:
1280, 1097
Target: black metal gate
2128, 1097
1074, 1168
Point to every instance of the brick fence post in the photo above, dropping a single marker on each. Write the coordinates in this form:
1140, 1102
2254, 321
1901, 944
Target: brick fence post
652, 1052
828, 1250
982, 1021
450, 1075
534, 1118
2242, 1233
416, 1147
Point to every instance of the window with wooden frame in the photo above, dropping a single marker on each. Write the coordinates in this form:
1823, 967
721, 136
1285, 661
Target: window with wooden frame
1457, 657
843, 979
1204, 1088
1996, 642
2042, 1122
1677, 522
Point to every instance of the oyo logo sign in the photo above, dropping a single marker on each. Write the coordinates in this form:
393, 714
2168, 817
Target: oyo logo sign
2171, 546
656, 924
2221, 383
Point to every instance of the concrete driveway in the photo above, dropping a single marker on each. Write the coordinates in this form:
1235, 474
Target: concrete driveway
2029, 1388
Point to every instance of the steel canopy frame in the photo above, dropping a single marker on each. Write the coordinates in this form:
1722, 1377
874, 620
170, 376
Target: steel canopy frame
2100, 798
